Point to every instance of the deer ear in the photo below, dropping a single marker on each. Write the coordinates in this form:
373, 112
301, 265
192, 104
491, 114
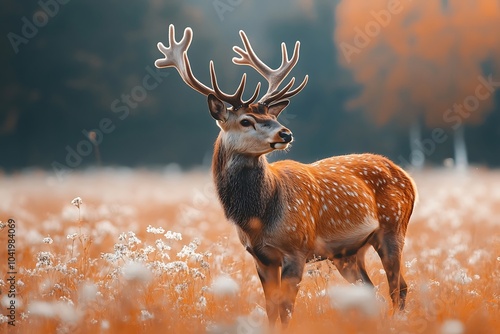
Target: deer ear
277, 108
217, 108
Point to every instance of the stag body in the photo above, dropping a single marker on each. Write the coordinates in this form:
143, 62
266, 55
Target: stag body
287, 213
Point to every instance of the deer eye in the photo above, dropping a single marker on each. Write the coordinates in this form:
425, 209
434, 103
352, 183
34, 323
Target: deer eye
246, 123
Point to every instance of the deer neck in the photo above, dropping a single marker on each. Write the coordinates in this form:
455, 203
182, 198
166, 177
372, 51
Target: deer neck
247, 188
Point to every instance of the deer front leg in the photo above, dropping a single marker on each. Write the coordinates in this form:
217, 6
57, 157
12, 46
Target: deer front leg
270, 279
291, 275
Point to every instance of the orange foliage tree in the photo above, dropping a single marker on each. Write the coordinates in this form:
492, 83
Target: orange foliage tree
422, 60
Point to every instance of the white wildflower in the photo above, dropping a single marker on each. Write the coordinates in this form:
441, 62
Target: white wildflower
433, 282
189, 251
409, 264
77, 201
161, 246
181, 287
72, 236
132, 239
202, 303
148, 250
473, 293
354, 297
196, 273
452, 326
146, 315
48, 240
136, 271
173, 235
461, 277
44, 259
223, 286
176, 266
155, 230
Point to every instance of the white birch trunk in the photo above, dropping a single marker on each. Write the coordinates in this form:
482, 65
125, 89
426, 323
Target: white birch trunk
417, 157
461, 159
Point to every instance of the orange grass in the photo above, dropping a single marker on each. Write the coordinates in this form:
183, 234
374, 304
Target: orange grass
452, 259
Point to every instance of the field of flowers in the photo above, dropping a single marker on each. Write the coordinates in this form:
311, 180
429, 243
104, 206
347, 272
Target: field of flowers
136, 251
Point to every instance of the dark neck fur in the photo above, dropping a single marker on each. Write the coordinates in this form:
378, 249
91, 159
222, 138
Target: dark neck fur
246, 188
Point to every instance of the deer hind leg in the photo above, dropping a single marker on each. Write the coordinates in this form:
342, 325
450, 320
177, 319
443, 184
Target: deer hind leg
360, 260
348, 268
291, 275
352, 267
389, 247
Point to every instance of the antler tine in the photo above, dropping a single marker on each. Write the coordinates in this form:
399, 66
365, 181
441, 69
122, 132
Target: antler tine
273, 77
255, 94
173, 53
176, 56
286, 93
248, 57
236, 99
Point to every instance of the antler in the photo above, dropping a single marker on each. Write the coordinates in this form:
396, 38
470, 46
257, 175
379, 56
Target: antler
273, 77
176, 56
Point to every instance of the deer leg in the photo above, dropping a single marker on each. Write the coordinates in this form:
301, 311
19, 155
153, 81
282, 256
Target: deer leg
389, 248
291, 275
270, 279
352, 267
403, 290
360, 260
348, 268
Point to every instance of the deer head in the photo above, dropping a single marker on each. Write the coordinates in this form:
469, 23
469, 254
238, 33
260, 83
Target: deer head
247, 127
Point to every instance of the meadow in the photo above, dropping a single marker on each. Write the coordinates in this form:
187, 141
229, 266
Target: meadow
140, 251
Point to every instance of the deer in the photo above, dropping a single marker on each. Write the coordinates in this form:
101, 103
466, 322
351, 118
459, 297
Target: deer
287, 213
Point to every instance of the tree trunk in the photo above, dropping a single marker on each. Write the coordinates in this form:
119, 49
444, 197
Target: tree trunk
417, 156
461, 160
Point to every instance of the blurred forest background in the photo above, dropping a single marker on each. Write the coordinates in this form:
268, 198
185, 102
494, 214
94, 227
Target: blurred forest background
385, 76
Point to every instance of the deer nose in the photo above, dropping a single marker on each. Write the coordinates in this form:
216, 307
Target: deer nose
286, 135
